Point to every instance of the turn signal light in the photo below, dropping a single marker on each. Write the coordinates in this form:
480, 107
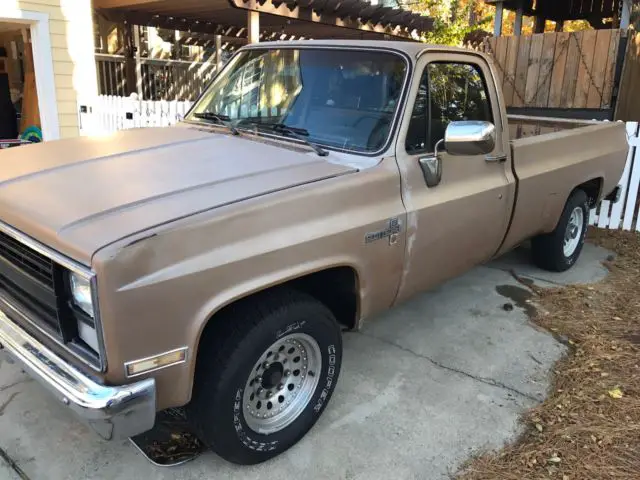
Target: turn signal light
151, 364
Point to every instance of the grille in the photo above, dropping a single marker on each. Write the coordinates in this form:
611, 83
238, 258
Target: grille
27, 260
37, 287
28, 277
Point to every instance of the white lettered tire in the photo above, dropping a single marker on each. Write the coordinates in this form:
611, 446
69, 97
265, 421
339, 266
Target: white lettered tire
265, 372
559, 250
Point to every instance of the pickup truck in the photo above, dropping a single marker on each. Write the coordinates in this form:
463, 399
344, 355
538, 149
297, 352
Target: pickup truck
214, 264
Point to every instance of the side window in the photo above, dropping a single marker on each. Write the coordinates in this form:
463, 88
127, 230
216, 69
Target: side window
448, 92
416, 140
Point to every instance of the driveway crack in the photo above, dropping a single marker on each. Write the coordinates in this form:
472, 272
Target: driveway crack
6, 404
485, 380
13, 465
11, 385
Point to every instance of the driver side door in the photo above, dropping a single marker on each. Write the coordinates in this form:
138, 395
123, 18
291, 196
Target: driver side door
460, 221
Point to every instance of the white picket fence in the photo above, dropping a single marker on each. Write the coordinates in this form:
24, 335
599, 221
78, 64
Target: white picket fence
623, 213
107, 114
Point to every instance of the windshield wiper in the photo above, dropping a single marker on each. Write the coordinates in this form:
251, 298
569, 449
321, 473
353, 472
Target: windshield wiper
300, 134
220, 118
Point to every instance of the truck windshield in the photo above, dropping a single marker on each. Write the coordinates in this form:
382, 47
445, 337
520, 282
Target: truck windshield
344, 99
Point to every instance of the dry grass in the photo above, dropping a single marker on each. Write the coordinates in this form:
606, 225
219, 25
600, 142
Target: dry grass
583, 431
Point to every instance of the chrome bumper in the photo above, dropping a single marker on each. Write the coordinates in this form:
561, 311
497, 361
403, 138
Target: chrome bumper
113, 412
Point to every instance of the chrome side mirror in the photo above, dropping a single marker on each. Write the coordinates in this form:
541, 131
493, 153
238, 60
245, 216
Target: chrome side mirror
469, 138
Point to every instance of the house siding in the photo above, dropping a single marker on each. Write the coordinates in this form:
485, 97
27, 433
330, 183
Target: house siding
72, 45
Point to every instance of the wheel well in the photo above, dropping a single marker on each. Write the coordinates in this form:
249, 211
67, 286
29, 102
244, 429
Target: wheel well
336, 288
593, 189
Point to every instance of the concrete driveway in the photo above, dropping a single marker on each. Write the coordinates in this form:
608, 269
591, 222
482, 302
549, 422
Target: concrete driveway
422, 388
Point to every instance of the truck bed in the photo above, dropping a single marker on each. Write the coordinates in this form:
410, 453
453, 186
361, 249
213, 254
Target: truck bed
521, 126
552, 156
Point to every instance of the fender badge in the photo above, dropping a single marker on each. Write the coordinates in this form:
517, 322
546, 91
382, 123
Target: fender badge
391, 231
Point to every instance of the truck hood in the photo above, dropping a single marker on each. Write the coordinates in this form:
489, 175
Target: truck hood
81, 194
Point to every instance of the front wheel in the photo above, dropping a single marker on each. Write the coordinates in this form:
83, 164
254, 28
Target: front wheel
264, 375
558, 251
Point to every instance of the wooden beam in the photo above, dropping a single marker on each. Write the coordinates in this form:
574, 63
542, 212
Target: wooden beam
138, 54
337, 18
199, 39
218, 53
517, 26
120, 3
172, 23
625, 14
497, 22
130, 63
539, 24
253, 26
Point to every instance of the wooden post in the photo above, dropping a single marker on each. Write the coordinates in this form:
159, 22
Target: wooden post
559, 25
497, 24
130, 63
539, 24
517, 26
218, 53
625, 17
253, 26
136, 43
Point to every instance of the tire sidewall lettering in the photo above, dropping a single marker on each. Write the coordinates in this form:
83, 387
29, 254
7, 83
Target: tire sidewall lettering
331, 370
243, 436
292, 327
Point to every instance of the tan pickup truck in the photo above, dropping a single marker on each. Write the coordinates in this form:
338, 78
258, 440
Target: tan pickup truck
213, 264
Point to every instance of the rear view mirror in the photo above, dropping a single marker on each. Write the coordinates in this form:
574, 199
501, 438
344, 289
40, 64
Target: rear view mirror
470, 138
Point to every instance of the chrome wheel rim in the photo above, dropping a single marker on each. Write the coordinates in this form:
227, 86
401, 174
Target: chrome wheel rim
573, 233
281, 383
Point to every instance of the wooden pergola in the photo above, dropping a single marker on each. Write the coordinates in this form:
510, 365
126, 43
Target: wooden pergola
599, 13
229, 24
252, 20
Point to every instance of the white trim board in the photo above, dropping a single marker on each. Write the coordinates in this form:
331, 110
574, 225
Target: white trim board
43, 65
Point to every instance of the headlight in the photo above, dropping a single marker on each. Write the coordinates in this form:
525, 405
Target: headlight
81, 293
82, 298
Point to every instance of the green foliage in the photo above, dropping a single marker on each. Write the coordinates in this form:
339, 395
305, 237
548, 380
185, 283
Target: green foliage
452, 19
452, 33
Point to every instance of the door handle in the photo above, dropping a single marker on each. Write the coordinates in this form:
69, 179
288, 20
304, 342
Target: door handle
432, 167
496, 158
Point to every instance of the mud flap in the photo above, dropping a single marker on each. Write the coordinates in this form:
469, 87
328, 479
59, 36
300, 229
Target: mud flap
170, 442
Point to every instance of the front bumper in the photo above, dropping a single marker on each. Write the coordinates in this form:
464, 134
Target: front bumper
113, 412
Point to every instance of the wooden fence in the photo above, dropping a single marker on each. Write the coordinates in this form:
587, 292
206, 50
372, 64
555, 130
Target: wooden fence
624, 213
557, 70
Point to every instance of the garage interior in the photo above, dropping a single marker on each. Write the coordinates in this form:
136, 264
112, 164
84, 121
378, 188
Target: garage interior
19, 113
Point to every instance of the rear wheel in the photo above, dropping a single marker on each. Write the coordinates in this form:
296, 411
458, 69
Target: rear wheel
558, 251
265, 375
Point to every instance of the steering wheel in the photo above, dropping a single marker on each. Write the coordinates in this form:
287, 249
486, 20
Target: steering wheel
378, 134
